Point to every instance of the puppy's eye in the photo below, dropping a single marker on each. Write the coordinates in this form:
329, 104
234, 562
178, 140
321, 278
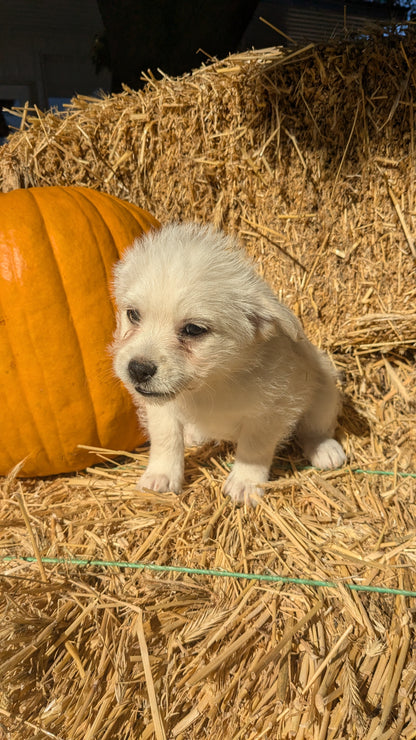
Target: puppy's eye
133, 316
193, 330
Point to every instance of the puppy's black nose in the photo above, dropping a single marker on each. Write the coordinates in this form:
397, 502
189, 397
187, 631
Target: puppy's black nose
140, 372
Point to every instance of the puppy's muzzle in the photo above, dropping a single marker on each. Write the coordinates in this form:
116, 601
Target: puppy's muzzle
140, 372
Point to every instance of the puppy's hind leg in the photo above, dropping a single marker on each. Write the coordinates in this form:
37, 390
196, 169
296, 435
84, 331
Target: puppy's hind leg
316, 428
193, 436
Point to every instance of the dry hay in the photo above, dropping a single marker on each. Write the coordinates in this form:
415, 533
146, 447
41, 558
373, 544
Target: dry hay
111, 653
309, 157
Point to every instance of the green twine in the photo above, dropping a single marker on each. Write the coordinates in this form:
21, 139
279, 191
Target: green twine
356, 471
262, 577
380, 472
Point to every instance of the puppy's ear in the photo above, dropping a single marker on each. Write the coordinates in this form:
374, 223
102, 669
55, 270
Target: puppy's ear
270, 315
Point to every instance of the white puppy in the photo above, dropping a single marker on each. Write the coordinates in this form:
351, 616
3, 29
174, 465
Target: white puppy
208, 352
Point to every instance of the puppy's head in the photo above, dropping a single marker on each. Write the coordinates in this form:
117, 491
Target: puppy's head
190, 307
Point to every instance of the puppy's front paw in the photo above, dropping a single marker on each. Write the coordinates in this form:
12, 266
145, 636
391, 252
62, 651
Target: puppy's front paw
242, 490
161, 482
327, 454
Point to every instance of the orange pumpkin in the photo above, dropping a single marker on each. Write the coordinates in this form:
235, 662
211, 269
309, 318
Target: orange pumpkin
57, 389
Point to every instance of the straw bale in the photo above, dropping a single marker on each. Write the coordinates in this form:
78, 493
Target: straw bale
308, 157
99, 653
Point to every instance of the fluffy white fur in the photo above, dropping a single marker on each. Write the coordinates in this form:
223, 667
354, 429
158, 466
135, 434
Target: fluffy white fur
208, 352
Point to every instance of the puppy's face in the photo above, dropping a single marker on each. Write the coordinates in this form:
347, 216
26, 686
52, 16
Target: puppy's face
189, 310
